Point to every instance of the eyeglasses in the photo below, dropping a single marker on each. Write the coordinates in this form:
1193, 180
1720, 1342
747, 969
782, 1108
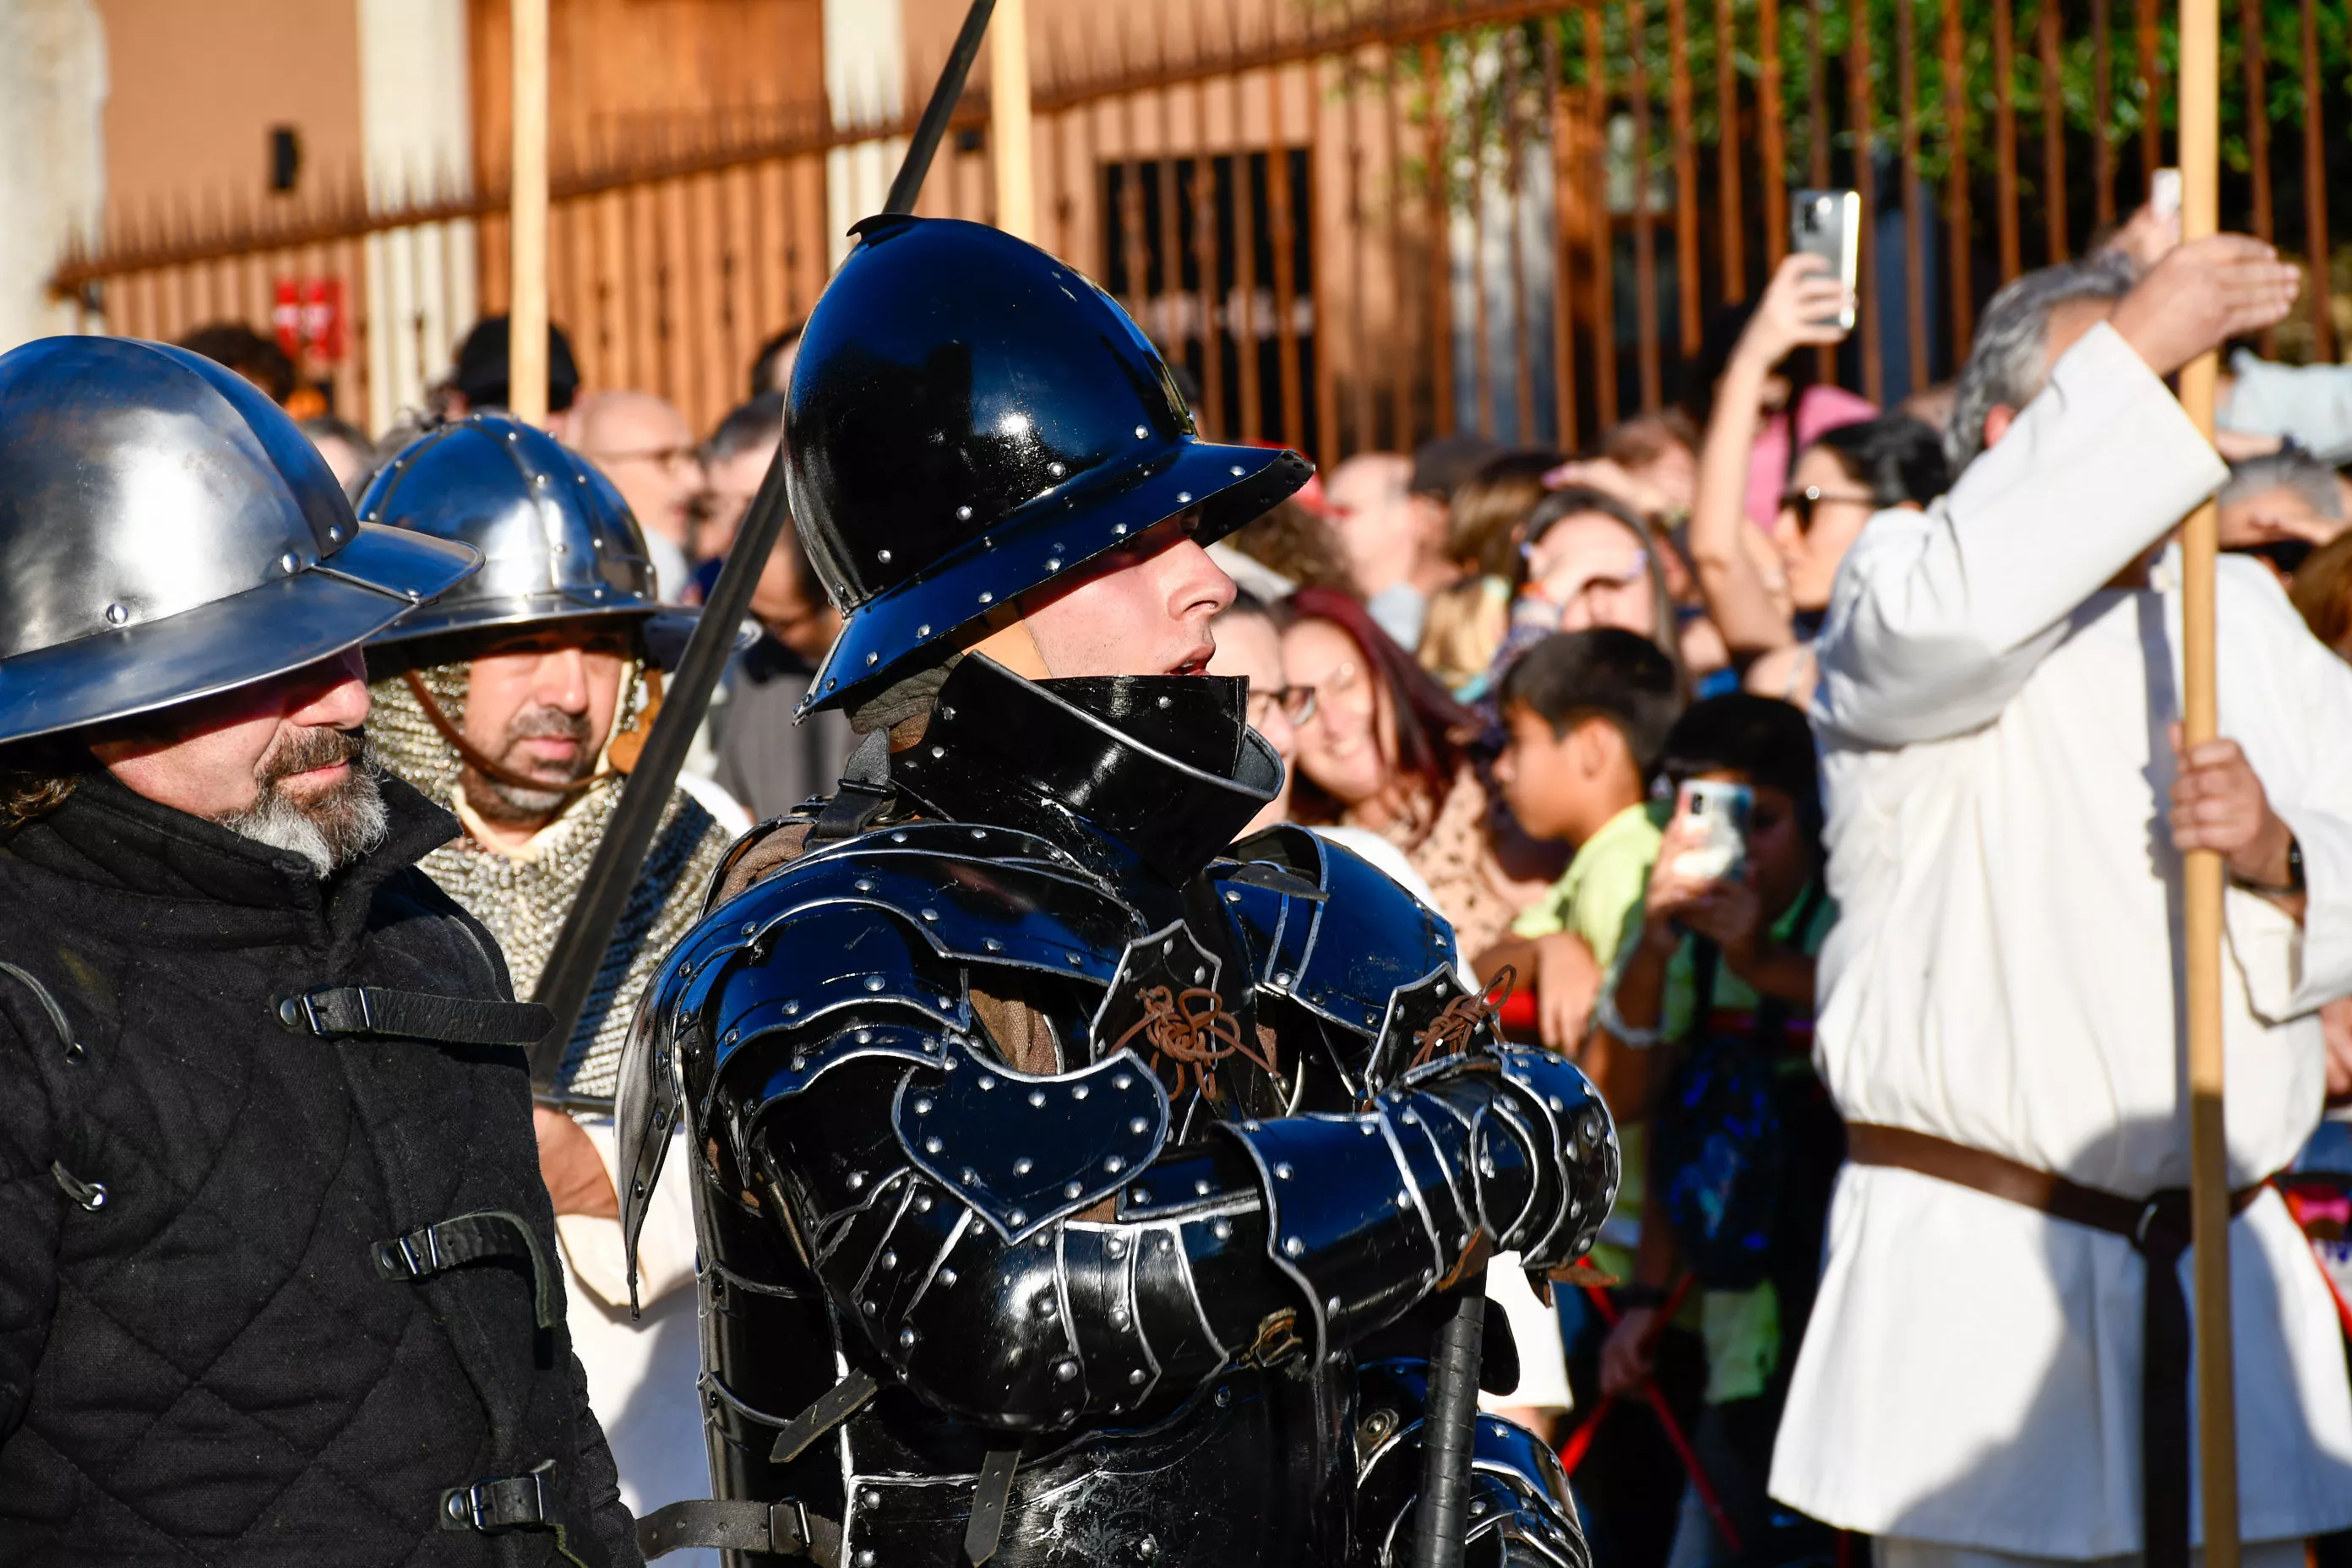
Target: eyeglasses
1803, 501
1297, 704
660, 456
1344, 686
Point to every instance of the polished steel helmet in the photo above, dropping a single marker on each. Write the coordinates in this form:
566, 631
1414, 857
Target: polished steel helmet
558, 543
970, 419
166, 533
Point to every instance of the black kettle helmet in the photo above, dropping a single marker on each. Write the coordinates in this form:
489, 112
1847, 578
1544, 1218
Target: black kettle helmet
970, 419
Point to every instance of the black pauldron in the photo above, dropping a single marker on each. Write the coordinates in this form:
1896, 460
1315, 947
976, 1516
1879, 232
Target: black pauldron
1047, 1156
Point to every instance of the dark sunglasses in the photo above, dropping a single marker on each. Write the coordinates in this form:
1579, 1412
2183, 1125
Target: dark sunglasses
1802, 503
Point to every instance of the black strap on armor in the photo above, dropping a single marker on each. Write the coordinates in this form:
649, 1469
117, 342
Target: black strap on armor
783, 1529
828, 1410
496, 1504
465, 1238
376, 1011
49, 1006
865, 795
990, 1499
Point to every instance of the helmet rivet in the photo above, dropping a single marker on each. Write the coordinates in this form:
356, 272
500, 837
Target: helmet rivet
987, 598
1141, 432
1237, 470
1119, 529
1053, 563
335, 534
541, 480
963, 514
1183, 497
116, 614
883, 556
1056, 470
872, 658
924, 630
290, 562
514, 435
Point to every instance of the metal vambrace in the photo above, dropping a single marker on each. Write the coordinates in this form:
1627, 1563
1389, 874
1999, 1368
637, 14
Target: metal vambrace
1368, 1213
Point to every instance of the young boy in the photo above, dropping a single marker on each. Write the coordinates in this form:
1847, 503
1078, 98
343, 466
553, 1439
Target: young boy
1720, 978
1587, 715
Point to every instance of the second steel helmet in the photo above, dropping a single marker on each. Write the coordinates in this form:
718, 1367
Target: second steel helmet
558, 543
166, 533
970, 419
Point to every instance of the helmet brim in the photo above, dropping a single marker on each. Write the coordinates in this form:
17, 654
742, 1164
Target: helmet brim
319, 612
916, 623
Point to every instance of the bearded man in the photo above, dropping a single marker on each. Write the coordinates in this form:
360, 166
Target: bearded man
520, 701
272, 1236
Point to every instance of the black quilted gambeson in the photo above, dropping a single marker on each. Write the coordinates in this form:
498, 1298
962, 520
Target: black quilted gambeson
205, 1367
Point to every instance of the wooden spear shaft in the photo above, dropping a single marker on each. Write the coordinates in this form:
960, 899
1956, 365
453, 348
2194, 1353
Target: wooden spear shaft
1008, 118
527, 227
2200, 105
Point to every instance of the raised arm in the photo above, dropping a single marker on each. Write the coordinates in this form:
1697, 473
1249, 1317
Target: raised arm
1939, 618
1789, 315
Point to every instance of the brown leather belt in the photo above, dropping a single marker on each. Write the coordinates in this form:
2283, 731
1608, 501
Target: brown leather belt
2157, 1225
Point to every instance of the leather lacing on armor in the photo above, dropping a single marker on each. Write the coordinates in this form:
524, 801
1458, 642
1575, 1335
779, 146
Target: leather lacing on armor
1191, 1029
1450, 1032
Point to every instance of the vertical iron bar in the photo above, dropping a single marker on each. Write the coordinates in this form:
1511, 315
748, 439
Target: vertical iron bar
1441, 249
2151, 98
1604, 239
1688, 316
1515, 147
1956, 217
1772, 134
1481, 348
1565, 432
2103, 147
1914, 204
1328, 447
1205, 264
2314, 192
1282, 234
1246, 277
1400, 298
1645, 235
1732, 215
2053, 133
1862, 110
1359, 344
2004, 68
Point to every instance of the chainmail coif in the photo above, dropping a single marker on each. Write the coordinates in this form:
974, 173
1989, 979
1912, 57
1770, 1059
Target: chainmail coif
524, 901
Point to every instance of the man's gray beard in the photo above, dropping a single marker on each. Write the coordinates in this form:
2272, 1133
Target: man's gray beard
331, 831
511, 806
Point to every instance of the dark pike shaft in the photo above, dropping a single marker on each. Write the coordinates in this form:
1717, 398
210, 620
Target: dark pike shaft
579, 952
1449, 1430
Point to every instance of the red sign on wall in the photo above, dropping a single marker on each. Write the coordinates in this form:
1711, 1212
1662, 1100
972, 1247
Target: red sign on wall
308, 316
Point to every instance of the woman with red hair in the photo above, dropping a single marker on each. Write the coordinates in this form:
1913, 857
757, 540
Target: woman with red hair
1387, 750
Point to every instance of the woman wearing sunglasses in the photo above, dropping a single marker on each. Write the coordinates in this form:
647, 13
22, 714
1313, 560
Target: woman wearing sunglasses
1767, 595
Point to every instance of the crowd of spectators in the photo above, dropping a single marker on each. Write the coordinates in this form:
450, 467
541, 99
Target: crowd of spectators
1498, 673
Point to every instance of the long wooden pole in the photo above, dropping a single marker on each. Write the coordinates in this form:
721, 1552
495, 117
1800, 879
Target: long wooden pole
1008, 121
2209, 1174
527, 245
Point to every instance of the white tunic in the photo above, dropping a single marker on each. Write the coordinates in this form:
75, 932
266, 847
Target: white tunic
2006, 974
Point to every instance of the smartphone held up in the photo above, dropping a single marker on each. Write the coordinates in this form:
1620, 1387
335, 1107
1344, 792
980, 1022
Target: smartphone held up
1828, 224
1715, 814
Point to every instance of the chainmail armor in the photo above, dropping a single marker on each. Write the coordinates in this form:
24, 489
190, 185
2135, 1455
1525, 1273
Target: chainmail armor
524, 901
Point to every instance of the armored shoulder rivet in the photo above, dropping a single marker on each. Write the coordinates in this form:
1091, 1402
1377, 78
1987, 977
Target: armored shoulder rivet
924, 630
856, 1180
1557, 1103
963, 514
1023, 1165
1281, 978
1411, 1118
1065, 1369
637, 1189
1201, 1187
1282, 1170
1232, 897
116, 614
289, 563
831, 683
1166, 1243
1038, 1098
932, 1145
1294, 1247
1056, 469
1575, 1208
1404, 1200
1372, 1017
1115, 1165
1141, 432
1071, 1189
866, 1559
905, 1342
1018, 1218
1331, 1306
992, 944
733, 1034
864, 884
1135, 1379
947, 1276
865, 1036
1367, 1128
980, 833
930, 914
750, 928
872, 659
923, 1107
1183, 497
1147, 1547
1224, 1397
1249, 1126
335, 534
791, 1008
897, 839
1119, 529
1223, 1230
1077, 1091
968, 1176
987, 1082
1142, 1196
888, 1259
1123, 1081
986, 597
1075, 960
800, 1064
1116, 1246
1053, 564
874, 983
1139, 1126
945, 1002
922, 1203
883, 556
1428, 1275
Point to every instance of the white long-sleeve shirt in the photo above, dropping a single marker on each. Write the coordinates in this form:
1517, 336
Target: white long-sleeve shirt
2007, 973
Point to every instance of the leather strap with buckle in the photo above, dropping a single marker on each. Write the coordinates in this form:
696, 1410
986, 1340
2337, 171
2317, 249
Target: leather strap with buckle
379, 1012
781, 1529
2158, 1226
503, 1502
481, 1236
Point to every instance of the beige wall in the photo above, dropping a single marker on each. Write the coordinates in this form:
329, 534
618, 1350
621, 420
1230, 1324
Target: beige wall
197, 85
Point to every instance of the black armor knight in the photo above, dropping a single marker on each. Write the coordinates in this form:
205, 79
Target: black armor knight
1074, 1187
